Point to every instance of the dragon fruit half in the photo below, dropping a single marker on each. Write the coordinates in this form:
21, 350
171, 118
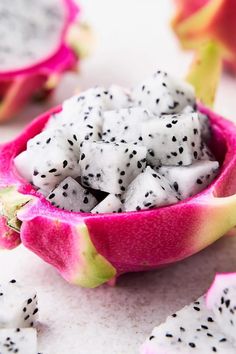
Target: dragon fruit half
34, 56
55, 165
205, 326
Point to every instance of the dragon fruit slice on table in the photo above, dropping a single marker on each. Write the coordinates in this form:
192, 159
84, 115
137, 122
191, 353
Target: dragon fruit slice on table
205, 326
18, 340
30, 65
18, 306
89, 248
221, 300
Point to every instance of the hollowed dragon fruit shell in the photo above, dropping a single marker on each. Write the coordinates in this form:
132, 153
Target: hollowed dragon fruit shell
18, 86
91, 249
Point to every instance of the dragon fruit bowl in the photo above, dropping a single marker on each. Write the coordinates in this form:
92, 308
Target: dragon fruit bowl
92, 248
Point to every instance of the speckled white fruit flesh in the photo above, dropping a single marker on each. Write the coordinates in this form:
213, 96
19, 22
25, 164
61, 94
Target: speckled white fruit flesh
30, 32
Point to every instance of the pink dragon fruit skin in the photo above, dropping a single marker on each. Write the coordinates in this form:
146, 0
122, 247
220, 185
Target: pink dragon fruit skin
17, 87
9, 238
91, 249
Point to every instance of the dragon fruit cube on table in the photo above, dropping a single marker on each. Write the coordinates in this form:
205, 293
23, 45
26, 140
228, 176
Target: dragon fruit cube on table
208, 325
40, 40
119, 180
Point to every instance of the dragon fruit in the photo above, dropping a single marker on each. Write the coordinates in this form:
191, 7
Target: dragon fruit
29, 65
80, 106
91, 248
18, 340
148, 190
163, 94
221, 299
110, 204
172, 139
111, 167
51, 157
18, 306
124, 125
70, 195
205, 326
189, 180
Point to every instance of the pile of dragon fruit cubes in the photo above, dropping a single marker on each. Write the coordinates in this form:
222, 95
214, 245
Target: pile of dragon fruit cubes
18, 317
120, 150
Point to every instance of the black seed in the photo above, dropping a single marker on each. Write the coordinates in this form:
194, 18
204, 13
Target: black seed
192, 345
193, 144
152, 337
195, 154
122, 173
210, 319
138, 208
120, 181
48, 141
209, 335
35, 173
227, 303
35, 311
176, 186
182, 329
70, 142
65, 163
157, 100
174, 315
174, 138
185, 138
122, 188
29, 301
85, 200
169, 125
181, 150
65, 194
98, 175
196, 308
195, 131
174, 153
139, 165
214, 349
65, 186
52, 170
26, 318
199, 181
168, 335
204, 327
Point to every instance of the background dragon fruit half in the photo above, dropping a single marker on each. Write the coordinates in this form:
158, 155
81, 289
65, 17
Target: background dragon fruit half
40, 40
205, 326
207, 27
89, 249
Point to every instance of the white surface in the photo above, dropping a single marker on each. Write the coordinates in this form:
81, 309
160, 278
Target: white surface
133, 39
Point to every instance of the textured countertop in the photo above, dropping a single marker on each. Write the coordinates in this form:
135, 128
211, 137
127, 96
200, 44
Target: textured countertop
133, 40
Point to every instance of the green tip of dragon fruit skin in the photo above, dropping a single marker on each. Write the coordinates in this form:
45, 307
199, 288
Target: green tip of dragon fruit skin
91, 249
208, 27
71, 249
